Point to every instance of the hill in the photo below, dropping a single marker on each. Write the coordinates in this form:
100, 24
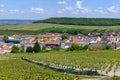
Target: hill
82, 21
43, 27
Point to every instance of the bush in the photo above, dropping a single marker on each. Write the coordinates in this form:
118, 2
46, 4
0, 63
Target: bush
56, 48
36, 47
15, 49
44, 49
74, 47
85, 47
5, 37
29, 49
64, 36
106, 47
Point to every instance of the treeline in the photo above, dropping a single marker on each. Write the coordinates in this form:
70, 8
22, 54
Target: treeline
82, 21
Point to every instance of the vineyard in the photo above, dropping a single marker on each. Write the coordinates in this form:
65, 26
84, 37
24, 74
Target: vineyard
107, 63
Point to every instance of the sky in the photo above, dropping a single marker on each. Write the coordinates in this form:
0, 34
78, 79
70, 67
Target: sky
42, 9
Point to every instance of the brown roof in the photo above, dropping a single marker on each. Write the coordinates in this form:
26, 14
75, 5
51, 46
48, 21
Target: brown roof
75, 39
5, 48
49, 42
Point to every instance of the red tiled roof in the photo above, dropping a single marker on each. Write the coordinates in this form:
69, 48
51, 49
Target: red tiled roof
6, 48
49, 42
76, 39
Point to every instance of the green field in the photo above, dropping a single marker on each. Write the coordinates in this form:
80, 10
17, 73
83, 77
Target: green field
13, 68
37, 27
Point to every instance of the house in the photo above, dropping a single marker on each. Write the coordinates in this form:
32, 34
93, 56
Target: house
5, 49
114, 38
49, 44
65, 45
117, 45
89, 41
104, 40
76, 39
96, 39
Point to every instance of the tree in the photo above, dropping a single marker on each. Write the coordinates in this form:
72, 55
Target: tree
106, 47
74, 47
29, 49
15, 49
64, 36
85, 47
36, 47
5, 37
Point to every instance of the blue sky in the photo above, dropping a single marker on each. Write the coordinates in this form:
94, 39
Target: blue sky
41, 9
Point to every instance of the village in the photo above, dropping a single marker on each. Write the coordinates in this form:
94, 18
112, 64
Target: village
61, 40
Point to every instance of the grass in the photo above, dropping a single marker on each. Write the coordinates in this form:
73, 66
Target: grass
13, 68
38, 26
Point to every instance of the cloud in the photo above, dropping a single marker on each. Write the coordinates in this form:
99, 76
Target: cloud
60, 12
13, 11
2, 11
10, 11
1, 5
112, 9
79, 4
101, 11
62, 2
80, 8
76, 9
38, 10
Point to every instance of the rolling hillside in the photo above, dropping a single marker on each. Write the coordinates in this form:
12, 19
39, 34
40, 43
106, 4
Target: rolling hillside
42, 27
82, 21
71, 25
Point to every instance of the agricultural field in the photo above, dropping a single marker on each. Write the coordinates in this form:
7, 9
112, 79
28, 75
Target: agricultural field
39, 26
12, 67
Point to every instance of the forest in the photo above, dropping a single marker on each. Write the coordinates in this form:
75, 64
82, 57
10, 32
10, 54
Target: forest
82, 21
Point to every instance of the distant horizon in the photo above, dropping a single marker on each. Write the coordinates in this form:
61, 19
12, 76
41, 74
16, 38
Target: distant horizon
11, 21
62, 17
43, 9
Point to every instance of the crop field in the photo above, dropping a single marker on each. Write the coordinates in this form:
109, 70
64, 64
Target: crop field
38, 26
12, 67
105, 62
41, 27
